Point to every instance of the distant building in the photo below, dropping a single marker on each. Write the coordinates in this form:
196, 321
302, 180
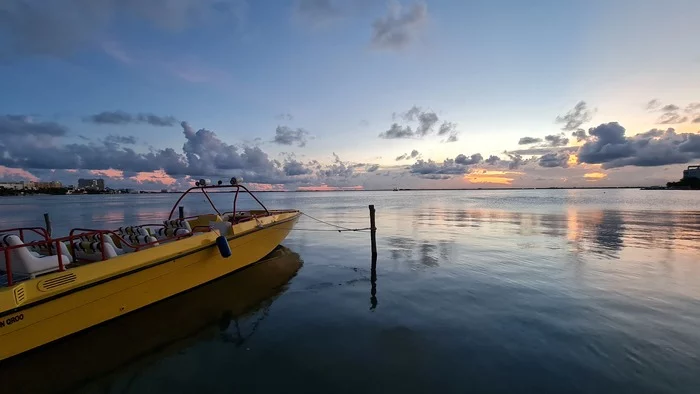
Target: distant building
12, 185
691, 172
48, 185
91, 184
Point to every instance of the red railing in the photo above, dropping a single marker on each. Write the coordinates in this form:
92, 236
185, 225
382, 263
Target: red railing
75, 234
47, 241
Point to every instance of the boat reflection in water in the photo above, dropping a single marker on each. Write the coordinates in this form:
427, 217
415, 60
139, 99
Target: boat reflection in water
152, 332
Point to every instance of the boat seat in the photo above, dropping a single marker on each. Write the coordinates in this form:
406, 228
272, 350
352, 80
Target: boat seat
136, 239
92, 250
173, 228
46, 249
27, 262
133, 239
133, 230
165, 232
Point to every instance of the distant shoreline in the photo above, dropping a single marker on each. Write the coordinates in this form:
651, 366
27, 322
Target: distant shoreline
363, 190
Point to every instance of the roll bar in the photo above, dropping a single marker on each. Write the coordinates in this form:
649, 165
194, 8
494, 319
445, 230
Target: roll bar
204, 188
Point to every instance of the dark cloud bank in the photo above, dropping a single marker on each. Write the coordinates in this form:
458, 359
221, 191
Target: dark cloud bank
122, 118
37, 145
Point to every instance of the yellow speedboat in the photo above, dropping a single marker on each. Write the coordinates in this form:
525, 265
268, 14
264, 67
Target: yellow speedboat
55, 287
153, 333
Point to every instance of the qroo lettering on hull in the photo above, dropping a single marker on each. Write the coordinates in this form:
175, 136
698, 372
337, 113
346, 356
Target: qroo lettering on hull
11, 320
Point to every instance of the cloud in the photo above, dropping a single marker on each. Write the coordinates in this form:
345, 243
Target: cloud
671, 113
287, 136
22, 125
120, 139
445, 170
396, 131
293, 167
556, 140
670, 108
372, 168
693, 108
696, 120
580, 135
612, 149
579, 115
425, 169
473, 159
407, 156
672, 118
284, 116
543, 150
492, 160
447, 128
400, 27
653, 105
426, 121
515, 161
550, 160
63, 28
529, 140
122, 118
203, 154
452, 138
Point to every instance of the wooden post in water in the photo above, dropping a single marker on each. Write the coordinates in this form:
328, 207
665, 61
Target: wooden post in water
182, 212
47, 221
373, 272
373, 231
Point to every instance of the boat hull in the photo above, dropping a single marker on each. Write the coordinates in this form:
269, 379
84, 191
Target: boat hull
140, 338
199, 261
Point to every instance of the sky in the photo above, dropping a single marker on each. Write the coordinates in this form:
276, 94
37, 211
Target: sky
356, 94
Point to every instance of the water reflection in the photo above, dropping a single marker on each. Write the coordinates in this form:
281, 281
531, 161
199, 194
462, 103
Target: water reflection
151, 334
604, 232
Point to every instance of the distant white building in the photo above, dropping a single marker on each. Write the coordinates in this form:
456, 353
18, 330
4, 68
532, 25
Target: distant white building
691, 172
12, 185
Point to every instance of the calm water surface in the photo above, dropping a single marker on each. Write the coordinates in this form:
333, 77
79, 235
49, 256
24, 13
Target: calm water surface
577, 291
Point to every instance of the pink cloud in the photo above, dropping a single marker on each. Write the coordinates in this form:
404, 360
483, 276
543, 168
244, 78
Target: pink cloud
110, 173
17, 173
158, 176
265, 187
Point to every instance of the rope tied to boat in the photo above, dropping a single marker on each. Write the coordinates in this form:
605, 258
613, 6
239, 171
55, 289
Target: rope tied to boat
338, 228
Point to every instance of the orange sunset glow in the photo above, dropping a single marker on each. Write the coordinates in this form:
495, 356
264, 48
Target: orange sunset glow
491, 177
595, 176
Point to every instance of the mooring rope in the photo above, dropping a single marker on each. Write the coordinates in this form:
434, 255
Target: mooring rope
339, 228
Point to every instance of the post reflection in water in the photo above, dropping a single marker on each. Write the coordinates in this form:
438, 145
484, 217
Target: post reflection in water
373, 283
152, 333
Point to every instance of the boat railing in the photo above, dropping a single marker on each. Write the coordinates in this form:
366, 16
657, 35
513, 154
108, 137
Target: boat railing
53, 246
42, 232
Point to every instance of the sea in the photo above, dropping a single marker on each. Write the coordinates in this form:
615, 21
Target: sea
475, 291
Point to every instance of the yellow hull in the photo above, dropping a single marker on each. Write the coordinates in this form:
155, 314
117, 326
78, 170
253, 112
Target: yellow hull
41, 310
153, 332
